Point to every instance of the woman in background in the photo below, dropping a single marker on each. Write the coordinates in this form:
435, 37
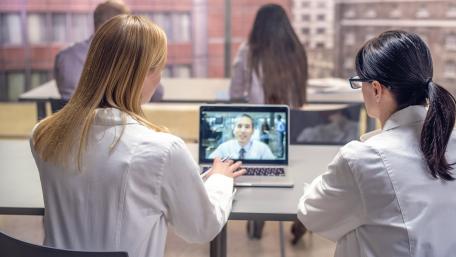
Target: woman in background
393, 194
112, 181
270, 68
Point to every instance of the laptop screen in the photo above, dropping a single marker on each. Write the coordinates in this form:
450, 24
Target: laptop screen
251, 133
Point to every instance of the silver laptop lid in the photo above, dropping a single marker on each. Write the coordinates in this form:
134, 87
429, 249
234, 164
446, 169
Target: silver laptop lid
255, 134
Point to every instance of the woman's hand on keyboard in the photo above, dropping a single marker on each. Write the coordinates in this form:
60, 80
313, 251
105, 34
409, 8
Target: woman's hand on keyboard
227, 168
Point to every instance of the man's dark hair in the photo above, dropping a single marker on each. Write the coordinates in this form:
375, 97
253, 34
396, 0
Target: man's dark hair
108, 9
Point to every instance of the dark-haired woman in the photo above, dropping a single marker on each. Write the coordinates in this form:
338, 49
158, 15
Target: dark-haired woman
271, 68
394, 193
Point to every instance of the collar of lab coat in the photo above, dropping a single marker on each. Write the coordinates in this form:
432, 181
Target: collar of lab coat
408, 115
112, 117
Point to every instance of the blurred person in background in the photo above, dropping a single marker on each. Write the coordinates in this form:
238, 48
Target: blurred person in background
113, 181
69, 62
270, 68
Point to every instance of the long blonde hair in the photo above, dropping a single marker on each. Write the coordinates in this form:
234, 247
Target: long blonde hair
122, 52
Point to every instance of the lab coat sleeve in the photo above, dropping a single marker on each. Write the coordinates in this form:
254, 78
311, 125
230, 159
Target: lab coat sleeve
239, 78
331, 205
197, 210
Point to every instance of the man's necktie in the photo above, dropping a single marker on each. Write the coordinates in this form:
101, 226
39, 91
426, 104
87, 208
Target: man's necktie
241, 154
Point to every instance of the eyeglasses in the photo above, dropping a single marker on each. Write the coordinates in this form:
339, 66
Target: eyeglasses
356, 82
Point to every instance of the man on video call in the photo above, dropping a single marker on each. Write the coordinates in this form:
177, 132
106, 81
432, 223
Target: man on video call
243, 147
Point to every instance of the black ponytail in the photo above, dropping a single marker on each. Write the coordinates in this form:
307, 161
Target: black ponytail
437, 129
402, 61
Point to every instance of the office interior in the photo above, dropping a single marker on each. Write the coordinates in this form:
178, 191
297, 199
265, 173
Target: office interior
203, 39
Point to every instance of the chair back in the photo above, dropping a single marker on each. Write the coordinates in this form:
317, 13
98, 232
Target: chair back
325, 126
11, 247
57, 104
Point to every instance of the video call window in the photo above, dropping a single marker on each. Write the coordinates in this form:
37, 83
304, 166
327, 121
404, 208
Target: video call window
244, 135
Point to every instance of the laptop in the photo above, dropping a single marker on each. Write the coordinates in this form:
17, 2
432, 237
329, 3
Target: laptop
257, 135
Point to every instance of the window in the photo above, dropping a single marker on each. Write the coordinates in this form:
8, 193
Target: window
305, 4
182, 71
422, 12
181, 27
166, 73
320, 45
10, 29
36, 27
371, 13
424, 38
321, 31
321, 17
350, 13
450, 42
451, 12
450, 70
369, 36
395, 12
348, 63
15, 82
59, 28
164, 21
81, 27
38, 78
305, 31
321, 5
305, 17
350, 39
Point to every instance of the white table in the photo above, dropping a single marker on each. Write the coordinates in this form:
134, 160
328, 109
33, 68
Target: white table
20, 188
205, 90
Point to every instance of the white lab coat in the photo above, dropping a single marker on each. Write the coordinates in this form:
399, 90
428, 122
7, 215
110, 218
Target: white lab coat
378, 199
124, 200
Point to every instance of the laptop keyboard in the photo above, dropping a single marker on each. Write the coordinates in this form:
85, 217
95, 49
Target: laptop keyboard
260, 171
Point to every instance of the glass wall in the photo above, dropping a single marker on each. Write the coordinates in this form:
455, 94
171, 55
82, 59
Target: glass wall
200, 45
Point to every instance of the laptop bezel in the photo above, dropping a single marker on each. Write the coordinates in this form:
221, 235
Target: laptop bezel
245, 108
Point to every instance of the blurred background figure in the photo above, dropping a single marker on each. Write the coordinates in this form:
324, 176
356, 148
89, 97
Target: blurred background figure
270, 68
280, 128
337, 127
69, 62
264, 132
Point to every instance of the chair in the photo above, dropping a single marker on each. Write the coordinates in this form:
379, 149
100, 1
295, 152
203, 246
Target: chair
57, 104
11, 247
326, 124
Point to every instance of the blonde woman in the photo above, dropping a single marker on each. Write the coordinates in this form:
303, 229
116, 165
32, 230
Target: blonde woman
111, 180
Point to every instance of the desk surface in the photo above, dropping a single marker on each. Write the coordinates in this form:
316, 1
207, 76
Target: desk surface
203, 90
20, 188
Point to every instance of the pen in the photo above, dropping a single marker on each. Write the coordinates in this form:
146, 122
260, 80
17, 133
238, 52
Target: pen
204, 174
226, 158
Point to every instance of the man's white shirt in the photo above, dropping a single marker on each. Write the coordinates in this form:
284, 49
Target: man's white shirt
255, 150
